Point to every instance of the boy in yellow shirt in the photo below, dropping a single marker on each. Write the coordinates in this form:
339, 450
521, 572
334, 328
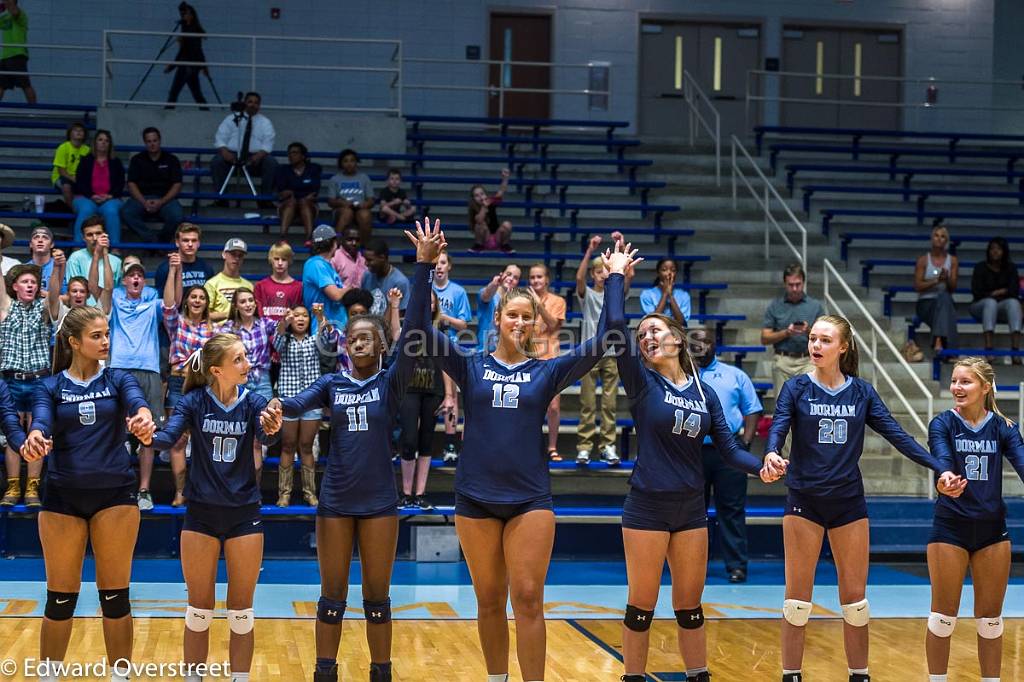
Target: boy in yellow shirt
66, 159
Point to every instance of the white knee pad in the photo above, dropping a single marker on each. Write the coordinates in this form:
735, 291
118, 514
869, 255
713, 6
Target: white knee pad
857, 614
796, 612
990, 628
198, 620
241, 621
941, 625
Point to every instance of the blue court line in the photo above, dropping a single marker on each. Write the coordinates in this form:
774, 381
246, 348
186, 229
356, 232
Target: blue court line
610, 650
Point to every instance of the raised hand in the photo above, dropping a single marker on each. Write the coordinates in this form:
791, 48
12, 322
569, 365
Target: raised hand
621, 257
174, 260
429, 241
271, 418
394, 297
36, 446
950, 484
595, 241
59, 259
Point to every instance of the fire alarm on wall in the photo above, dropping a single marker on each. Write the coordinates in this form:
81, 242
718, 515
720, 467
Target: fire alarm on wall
275, 12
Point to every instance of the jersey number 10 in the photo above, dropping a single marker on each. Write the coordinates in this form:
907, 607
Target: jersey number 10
832, 431
224, 449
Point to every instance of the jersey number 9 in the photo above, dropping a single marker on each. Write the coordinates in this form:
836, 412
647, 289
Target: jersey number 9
87, 413
832, 431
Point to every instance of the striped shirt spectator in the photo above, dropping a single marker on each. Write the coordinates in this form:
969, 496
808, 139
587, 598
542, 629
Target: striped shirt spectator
186, 336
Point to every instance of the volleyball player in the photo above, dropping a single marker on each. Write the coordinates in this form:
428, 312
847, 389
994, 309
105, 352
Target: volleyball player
358, 497
503, 508
664, 516
81, 415
827, 410
972, 439
224, 420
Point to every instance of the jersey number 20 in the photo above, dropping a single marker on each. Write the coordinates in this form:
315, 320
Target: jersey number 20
976, 467
506, 395
832, 431
224, 449
691, 425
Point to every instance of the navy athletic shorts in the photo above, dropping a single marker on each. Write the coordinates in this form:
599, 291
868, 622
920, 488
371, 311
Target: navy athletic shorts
826, 511
221, 522
86, 502
970, 534
664, 511
475, 509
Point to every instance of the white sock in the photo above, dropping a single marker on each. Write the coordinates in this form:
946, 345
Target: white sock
938, 678
498, 678
239, 677
858, 671
193, 678
791, 672
114, 677
696, 671
49, 664
990, 679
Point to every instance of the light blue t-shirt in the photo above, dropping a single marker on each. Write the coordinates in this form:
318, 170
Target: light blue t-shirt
486, 335
318, 273
134, 343
380, 286
650, 298
734, 390
47, 270
454, 303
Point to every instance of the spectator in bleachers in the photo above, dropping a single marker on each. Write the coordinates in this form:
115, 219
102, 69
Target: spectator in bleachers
550, 318
665, 298
66, 159
350, 194
381, 277
6, 240
320, 281
186, 316
25, 327
742, 408
97, 248
995, 286
488, 298
302, 354
194, 269
935, 277
394, 204
40, 249
430, 393
14, 55
786, 323
489, 233
279, 292
348, 260
298, 187
257, 335
228, 142
78, 290
190, 49
154, 181
135, 316
591, 301
455, 311
99, 186
222, 286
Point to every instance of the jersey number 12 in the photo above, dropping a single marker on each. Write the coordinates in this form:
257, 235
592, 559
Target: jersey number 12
506, 395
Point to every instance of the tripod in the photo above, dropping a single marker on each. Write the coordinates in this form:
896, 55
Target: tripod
167, 43
242, 158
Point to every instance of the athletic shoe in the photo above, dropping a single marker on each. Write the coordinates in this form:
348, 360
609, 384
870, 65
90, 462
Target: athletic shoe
554, 456
857, 677
476, 248
507, 249
406, 502
451, 455
610, 456
145, 500
421, 503
583, 457
793, 677
737, 575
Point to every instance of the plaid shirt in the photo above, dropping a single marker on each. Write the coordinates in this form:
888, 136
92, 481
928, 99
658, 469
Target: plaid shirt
257, 341
25, 337
185, 336
300, 360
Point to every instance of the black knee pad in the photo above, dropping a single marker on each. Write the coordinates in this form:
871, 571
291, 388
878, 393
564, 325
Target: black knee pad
377, 612
690, 619
638, 620
330, 611
115, 603
60, 605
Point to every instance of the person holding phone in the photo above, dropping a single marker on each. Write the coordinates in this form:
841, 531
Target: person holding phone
786, 323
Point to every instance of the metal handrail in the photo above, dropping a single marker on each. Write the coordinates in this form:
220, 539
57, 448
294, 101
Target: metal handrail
764, 199
871, 350
691, 87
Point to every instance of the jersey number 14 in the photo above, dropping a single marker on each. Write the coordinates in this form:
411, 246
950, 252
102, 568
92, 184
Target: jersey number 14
691, 425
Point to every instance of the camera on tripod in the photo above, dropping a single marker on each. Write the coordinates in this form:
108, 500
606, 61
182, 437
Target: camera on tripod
238, 106
242, 158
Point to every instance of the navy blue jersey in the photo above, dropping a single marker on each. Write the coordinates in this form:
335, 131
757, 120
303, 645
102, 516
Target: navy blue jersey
359, 478
223, 469
9, 418
828, 434
86, 420
503, 459
976, 453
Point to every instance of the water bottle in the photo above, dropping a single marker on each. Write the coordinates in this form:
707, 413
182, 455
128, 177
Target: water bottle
40, 203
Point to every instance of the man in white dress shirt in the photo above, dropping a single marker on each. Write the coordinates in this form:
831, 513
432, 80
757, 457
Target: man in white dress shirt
229, 142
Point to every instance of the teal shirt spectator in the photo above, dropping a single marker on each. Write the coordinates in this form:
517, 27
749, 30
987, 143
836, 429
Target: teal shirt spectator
133, 330
380, 286
487, 336
318, 273
650, 298
735, 391
454, 303
78, 266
